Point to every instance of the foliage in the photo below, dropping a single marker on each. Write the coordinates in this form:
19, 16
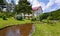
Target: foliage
50, 18
18, 17
1, 1
6, 14
4, 17
23, 7
11, 21
54, 15
43, 16
33, 19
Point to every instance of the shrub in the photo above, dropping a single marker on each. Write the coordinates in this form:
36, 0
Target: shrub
53, 18
18, 17
33, 19
58, 17
4, 17
42, 16
50, 18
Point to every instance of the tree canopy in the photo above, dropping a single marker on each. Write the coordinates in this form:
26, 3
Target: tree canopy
53, 15
23, 7
2, 2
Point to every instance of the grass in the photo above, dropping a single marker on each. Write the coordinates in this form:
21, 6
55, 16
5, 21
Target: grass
41, 29
12, 21
46, 29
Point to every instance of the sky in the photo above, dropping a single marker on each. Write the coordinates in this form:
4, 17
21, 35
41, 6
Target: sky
47, 5
9, 1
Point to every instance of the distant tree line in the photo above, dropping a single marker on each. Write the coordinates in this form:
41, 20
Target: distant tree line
54, 15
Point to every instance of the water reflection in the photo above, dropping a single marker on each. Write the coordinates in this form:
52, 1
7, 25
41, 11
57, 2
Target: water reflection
17, 30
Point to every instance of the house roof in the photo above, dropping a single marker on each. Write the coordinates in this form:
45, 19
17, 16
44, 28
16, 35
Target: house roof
35, 8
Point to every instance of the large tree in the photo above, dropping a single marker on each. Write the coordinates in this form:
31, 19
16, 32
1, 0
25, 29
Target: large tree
23, 7
1, 1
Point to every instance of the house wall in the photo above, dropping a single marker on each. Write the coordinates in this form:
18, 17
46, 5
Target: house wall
38, 12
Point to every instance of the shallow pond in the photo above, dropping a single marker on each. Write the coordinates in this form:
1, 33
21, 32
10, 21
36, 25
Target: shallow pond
17, 30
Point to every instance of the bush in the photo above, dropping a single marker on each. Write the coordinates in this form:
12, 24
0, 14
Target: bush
42, 16
33, 19
58, 17
50, 18
18, 17
53, 18
4, 17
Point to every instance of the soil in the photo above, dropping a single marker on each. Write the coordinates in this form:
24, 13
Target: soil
17, 30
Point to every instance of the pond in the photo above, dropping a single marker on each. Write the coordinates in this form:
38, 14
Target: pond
17, 30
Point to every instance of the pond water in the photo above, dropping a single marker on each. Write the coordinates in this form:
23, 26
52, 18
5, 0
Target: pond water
17, 30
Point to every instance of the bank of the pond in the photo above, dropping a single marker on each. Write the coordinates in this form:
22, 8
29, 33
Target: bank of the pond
46, 29
11, 21
17, 30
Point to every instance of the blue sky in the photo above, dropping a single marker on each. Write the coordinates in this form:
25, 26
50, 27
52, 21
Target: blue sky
47, 5
16, 1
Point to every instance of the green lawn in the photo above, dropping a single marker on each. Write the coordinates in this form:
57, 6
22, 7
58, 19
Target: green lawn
40, 29
47, 29
12, 21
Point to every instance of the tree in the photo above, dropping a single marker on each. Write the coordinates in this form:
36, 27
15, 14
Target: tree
1, 1
23, 7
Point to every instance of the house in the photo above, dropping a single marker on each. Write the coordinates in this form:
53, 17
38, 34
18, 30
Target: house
37, 11
36, 7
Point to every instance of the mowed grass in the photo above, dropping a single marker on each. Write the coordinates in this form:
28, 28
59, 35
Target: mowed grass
40, 29
44, 29
12, 21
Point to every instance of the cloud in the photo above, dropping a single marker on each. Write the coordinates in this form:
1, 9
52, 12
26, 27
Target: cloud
8, 1
42, 4
16, 1
34, 3
58, 3
50, 3
50, 6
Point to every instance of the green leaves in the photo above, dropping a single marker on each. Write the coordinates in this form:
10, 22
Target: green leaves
54, 15
23, 7
1, 1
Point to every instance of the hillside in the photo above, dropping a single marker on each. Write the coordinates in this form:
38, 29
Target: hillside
54, 15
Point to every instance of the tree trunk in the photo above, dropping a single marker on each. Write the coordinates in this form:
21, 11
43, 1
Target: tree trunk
24, 15
28, 16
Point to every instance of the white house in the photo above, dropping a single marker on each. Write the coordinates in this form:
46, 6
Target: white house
37, 11
36, 7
